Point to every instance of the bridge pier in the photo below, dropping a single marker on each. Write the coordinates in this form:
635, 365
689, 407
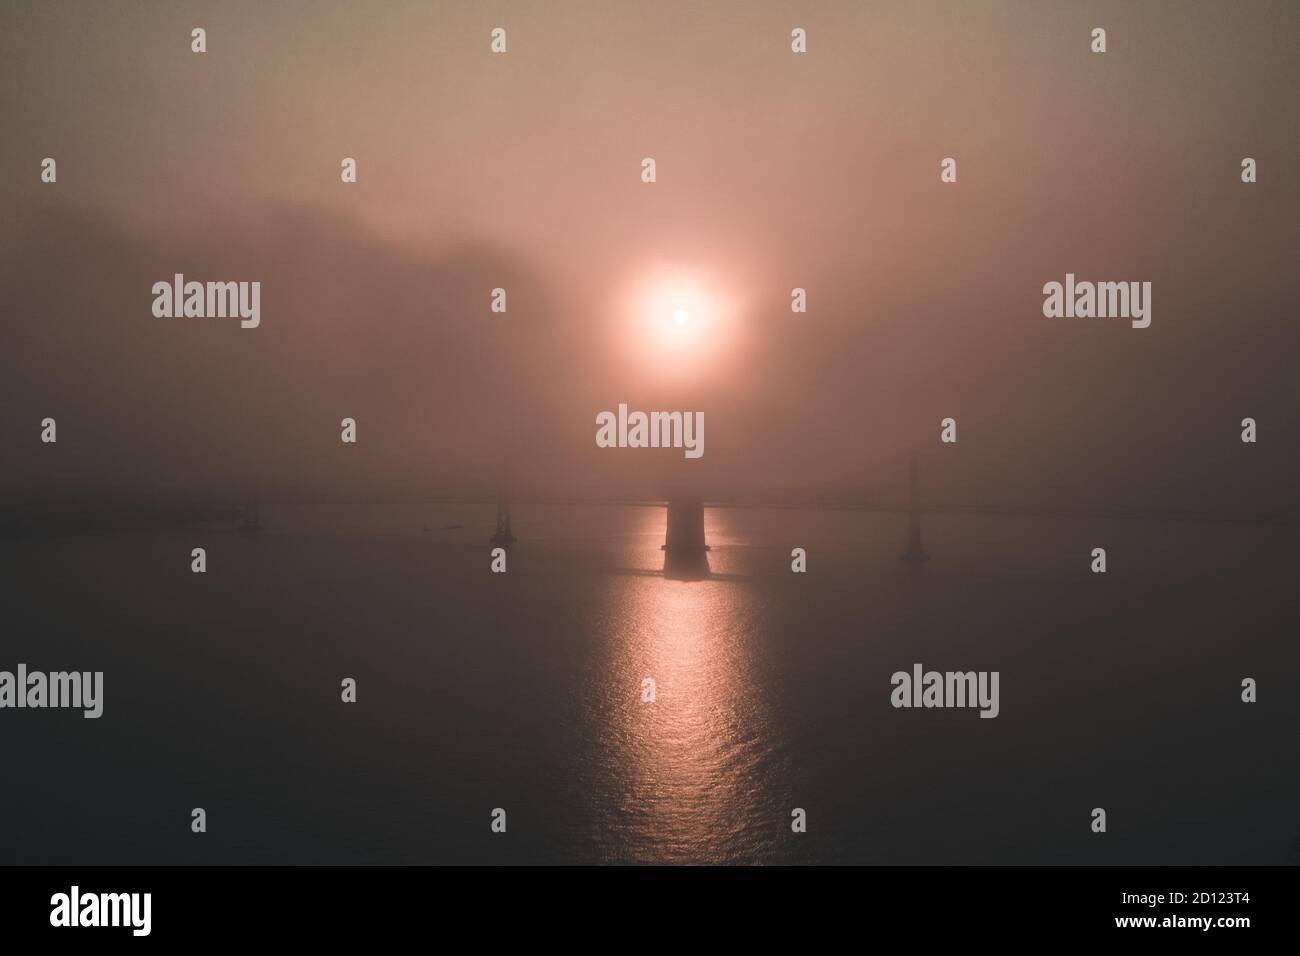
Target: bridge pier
503, 537
685, 534
685, 551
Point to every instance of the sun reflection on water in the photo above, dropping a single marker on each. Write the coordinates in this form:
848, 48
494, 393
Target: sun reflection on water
685, 772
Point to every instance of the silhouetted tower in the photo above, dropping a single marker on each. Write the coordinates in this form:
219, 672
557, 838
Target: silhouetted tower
915, 553
504, 536
685, 527
685, 553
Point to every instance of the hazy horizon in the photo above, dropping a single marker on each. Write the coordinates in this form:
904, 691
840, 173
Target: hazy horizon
775, 171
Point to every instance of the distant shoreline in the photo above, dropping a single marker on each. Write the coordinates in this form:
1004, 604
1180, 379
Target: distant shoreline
83, 517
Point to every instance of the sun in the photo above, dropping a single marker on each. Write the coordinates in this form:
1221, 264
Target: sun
679, 321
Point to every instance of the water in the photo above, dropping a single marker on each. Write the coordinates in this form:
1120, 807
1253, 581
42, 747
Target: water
523, 691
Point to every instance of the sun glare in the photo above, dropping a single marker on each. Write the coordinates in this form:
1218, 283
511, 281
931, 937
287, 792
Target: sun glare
679, 322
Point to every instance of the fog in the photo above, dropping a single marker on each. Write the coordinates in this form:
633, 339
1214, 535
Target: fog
774, 171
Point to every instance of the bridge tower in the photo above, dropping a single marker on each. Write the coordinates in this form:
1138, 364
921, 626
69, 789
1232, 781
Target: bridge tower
685, 534
504, 536
685, 550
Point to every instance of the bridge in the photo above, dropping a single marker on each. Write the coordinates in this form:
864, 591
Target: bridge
684, 528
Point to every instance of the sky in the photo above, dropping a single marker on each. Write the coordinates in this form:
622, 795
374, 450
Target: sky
774, 170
